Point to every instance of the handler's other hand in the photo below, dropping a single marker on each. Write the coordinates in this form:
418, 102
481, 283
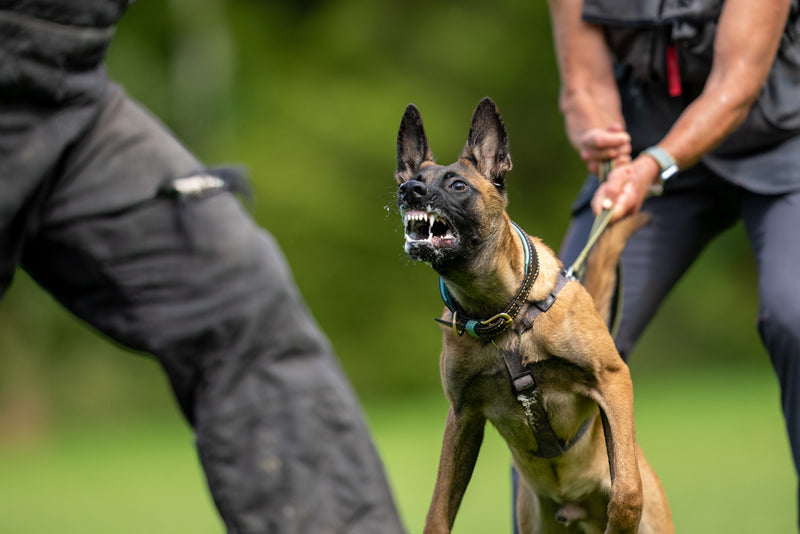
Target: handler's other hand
597, 144
626, 187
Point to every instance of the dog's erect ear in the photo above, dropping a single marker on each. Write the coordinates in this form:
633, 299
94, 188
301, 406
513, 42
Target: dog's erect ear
412, 145
487, 144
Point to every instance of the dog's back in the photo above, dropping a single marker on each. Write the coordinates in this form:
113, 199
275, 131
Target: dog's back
600, 279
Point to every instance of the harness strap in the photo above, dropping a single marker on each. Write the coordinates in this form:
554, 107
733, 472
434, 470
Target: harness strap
538, 307
526, 389
530, 397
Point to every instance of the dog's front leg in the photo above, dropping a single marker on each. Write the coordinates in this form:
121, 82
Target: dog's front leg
463, 436
615, 398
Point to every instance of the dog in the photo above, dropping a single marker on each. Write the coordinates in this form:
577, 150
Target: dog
524, 347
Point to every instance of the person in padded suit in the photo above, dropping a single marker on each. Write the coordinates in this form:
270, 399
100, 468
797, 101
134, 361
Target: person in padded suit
114, 217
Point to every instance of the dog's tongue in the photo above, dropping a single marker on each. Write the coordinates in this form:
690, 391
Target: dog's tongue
442, 241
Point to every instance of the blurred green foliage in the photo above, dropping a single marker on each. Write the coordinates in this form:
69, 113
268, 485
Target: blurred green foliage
308, 96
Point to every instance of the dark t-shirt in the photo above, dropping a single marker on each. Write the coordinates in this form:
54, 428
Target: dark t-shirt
763, 154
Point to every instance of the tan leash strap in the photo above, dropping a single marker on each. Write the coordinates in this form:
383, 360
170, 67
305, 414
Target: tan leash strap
601, 221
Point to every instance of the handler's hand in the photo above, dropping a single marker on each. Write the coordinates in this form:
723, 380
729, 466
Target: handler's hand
596, 145
626, 187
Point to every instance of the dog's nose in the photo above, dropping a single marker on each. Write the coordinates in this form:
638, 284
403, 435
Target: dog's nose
412, 190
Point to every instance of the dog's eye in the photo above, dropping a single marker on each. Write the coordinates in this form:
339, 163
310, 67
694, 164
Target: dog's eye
458, 185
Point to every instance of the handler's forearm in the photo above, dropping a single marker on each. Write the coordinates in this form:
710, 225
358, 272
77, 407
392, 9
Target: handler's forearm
704, 125
589, 97
737, 77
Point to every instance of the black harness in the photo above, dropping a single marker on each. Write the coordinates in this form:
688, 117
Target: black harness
522, 376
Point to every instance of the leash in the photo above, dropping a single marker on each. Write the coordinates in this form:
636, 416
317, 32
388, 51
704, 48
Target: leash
601, 220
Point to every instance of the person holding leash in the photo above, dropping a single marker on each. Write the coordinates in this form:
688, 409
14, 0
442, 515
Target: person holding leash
113, 216
697, 104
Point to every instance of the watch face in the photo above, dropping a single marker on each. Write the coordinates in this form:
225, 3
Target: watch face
665, 162
669, 172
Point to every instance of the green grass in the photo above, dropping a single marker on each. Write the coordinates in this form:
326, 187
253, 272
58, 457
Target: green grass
130, 477
716, 439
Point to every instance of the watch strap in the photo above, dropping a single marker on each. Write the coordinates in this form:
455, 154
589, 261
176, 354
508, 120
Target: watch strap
665, 162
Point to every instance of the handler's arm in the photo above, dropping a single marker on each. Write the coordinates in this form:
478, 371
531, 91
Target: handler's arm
589, 98
748, 35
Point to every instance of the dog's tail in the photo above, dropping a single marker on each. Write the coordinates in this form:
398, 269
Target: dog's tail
601, 265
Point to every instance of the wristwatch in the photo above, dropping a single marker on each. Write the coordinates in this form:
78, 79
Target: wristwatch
667, 165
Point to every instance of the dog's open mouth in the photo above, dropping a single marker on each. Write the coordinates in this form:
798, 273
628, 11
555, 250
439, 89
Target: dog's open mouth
428, 228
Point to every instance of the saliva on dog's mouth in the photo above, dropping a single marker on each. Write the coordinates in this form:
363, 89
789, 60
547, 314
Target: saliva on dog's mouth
428, 234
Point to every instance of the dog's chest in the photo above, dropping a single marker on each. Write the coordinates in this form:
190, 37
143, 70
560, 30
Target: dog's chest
528, 421
479, 380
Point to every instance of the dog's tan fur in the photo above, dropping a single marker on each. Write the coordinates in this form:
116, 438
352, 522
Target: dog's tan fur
601, 484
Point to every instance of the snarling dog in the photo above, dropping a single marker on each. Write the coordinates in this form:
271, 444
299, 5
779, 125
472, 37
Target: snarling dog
524, 347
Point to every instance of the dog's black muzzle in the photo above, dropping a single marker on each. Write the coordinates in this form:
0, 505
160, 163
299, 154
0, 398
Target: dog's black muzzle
429, 233
412, 193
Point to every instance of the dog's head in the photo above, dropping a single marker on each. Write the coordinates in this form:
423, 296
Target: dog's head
450, 211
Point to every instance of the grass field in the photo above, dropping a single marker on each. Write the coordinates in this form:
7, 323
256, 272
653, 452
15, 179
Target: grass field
717, 443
